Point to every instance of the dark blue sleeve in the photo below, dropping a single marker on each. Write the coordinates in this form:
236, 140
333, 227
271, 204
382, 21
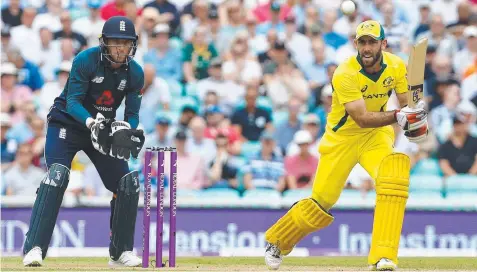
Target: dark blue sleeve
78, 87
134, 96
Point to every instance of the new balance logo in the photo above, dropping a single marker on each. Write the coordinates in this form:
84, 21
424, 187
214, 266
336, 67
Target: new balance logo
122, 85
135, 139
98, 79
122, 26
62, 134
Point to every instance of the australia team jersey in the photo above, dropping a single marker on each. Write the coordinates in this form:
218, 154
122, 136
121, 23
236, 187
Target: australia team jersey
351, 82
93, 86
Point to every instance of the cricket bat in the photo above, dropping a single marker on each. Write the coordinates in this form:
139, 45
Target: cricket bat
415, 72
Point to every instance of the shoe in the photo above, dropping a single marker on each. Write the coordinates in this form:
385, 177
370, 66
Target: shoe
33, 258
273, 259
385, 265
127, 258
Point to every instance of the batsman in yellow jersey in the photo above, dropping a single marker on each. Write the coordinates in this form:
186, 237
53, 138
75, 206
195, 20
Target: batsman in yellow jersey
358, 131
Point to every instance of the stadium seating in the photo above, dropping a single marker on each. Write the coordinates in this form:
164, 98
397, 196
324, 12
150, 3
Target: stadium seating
428, 166
427, 183
262, 198
461, 183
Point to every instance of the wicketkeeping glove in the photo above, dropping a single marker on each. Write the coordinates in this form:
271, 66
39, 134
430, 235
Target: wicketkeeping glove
126, 142
100, 137
411, 119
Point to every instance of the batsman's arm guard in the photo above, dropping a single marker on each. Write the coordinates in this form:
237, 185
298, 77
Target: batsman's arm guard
304, 217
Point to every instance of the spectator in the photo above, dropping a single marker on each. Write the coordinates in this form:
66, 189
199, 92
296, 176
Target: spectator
155, 95
189, 27
150, 17
13, 94
50, 57
311, 19
198, 144
396, 30
240, 65
463, 14
21, 130
50, 18
53, 89
218, 124
439, 37
113, 8
26, 34
424, 20
161, 136
271, 11
274, 22
93, 185
211, 100
315, 71
166, 59
325, 96
251, 120
257, 42
348, 22
92, 25
197, 56
265, 170
299, 45
300, 169
441, 117
299, 11
188, 112
168, 13
188, 13
458, 155
37, 143
232, 25
191, 166
311, 123
79, 42
285, 130
465, 57
67, 49
229, 93
131, 11
22, 178
360, 180
283, 80
6, 38
347, 50
215, 30
11, 14
269, 53
441, 67
9, 146
222, 173
330, 37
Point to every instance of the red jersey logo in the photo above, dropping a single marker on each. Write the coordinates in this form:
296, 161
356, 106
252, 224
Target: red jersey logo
106, 99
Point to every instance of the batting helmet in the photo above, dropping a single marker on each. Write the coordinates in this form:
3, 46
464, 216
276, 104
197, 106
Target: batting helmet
118, 27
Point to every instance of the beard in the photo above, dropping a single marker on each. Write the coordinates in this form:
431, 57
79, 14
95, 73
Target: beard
370, 61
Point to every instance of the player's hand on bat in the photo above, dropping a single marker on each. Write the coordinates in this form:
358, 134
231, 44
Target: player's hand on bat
125, 141
411, 119
100, 134
417, 135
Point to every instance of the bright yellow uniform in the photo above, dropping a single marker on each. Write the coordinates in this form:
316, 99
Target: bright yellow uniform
344, 143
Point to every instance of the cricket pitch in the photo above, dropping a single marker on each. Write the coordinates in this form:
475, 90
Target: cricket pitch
227, 264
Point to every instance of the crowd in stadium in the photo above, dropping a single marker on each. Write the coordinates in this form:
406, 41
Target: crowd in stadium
240, 88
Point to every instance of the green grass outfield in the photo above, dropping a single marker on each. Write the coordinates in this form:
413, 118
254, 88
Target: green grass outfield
227, 264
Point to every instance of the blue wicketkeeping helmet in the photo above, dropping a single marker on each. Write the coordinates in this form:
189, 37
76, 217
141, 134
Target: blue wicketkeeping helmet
118, 27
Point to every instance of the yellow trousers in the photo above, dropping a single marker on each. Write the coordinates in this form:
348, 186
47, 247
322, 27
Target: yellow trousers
339, 154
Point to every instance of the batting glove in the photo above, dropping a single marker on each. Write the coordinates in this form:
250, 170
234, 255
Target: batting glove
418, 135
411, 119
